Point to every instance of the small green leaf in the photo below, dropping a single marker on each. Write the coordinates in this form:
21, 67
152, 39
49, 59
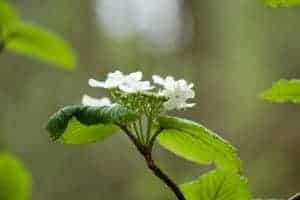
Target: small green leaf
196, 143
39, 43
217, 185
85, 124
8, 15
283, 91
282, 3
15, 180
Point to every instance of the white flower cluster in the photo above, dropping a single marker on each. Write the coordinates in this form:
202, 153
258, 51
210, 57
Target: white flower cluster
177, 92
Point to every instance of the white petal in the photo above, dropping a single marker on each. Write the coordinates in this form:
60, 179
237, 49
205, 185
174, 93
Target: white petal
90, 101
170, 80
145, 85
111, 83
135, 86
170, 83
114, 79
127, 88
177, 92
158, 80
191, 85
95, 83
189, 105
182, 83
170, 105
136, 76
115, 74
190, 94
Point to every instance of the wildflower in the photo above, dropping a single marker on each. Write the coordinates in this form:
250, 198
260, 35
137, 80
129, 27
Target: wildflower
90, 101
133, 84
113, 81
177, 92
127, 83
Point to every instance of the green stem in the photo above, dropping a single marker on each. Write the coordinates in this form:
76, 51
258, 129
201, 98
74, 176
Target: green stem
149, 126
141, 130
137, 132
1, 46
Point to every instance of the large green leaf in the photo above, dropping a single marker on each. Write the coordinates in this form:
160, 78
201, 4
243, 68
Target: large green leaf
283, 91
15, 180
217, 185
85, 124
39, 43
78, 133
282, 3
8, 15
196, 143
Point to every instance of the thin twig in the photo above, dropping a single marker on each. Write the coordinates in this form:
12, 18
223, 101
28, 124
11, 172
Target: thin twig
147, 154
1, 46
162, 176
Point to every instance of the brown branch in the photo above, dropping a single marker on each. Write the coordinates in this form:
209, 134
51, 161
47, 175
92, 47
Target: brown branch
146, 151
162, 176
295, 197
1, 46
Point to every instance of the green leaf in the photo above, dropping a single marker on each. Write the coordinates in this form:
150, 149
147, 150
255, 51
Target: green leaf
283, 91
8, 15
196, 143
77, 133
282, 3
217, 185
84, 124
15, 180
39, 43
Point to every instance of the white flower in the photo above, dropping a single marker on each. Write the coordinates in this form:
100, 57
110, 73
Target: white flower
130, 83
177, 92
134, 84
113, 80
90, 101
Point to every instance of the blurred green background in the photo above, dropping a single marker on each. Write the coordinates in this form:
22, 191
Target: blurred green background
231, 50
